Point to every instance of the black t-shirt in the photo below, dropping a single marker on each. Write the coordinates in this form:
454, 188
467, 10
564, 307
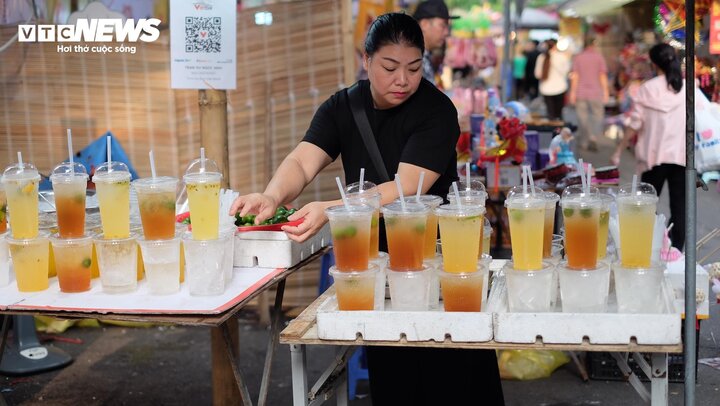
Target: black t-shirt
422, 131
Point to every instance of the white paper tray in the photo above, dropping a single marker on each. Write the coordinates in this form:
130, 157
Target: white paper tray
388, 325
273, 249
571, 328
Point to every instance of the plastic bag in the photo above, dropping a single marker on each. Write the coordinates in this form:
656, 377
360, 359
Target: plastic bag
707, 135
525, 365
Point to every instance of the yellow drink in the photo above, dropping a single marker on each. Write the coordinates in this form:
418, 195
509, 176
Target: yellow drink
30, 262
203, 191
460, 236
603, 234
21, 190
3, 210
431, 229
527, 225
113, 191
636, 215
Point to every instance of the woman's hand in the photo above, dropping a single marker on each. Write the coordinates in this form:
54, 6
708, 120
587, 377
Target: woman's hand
314, 218
261, 204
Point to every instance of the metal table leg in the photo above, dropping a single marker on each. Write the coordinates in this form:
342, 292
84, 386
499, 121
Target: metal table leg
298, 358
659, 379
239, 379
272, 343
5, 330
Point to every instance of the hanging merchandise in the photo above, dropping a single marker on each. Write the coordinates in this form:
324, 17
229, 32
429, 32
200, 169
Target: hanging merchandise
670, 20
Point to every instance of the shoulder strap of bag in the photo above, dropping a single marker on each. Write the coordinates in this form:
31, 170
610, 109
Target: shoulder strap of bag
361, 121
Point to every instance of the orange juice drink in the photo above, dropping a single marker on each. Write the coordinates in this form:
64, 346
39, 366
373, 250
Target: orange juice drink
369, 195
355, 290
581, 217
69, 182
112, 182
156, 198
30, 262
350, 229
405, 228
3, 209
462, 292
21, 189
636, 215
431, 226
203, 191
603, 224
527, 225
551, 200
460, 236
73, 261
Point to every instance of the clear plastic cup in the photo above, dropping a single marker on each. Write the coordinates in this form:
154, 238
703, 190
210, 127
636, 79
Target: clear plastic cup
410, 290
527, 225
463, 292
460, 228
584, 291
405, 228
369, 196
355, 290
118, 262
381, 261
112, 183
204, 261
529, 291
551, 200
431, 227
638, 290
156, 200
636, 217
350, 229
21, 189
434, 263
486, 236
69, 182
606, 202
485, 260
3, 209
227, 233
475, 185
162, 265
581, 214
4, 260
73, 262
30, 258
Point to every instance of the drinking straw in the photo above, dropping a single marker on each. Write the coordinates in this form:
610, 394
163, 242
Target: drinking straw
457, 195
530, 179
581, 170
589, 177
70, 150
400, 192
342, 192
20, 162
109, 153
420, 183
467, 176
362, 179
202, 159
524, 176
152, 165
633, 188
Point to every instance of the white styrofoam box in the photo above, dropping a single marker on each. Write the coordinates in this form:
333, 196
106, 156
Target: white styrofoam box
273, 249
389, 325
571, 328
509, 174
676, 274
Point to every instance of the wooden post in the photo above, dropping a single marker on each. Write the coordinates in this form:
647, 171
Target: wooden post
213, 137
349, 51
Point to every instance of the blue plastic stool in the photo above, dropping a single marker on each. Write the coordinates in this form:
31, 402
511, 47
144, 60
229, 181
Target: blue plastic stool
357, 364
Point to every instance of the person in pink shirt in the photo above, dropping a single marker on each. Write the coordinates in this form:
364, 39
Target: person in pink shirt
658, 118
589, 93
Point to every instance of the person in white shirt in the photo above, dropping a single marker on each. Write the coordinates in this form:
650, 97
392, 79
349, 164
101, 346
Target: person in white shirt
552, 70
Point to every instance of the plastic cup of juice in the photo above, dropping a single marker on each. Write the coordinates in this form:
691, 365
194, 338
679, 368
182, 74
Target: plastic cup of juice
350, 229
584, 291
431, 225
460, 227
30, 258
527, 225
463, 292
205, 275
117, 261
551, 200
472, 198
605, 202
162, 265
69, 182
405, 228
202, 180
3, 209
21, 190
156, 199
581, 216
112, 182
369, 196
636, 215
355, 290
73, 262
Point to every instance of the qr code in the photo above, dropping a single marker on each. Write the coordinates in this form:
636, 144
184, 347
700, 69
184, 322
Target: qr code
202, 34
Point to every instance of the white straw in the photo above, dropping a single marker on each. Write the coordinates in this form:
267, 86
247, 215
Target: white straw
202, 159
524, 176
581, 170
420, 184
109, 153
633, 189
342, 192
362, 179
70, 150
589, 177
152, 165
457, 195
400, 192
467, 176
20, 162
530, 179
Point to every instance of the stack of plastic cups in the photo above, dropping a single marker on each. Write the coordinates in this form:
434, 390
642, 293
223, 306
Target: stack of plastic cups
72, 248
408, 277
369, 195
160, 246
638, 281
605, 202
116, 247
205, 245
529, 278
28, 247
353, 274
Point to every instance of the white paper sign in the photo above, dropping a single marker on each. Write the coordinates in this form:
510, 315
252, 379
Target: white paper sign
202, 44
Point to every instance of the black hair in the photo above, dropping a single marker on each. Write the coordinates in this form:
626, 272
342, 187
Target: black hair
667, 60
394, 28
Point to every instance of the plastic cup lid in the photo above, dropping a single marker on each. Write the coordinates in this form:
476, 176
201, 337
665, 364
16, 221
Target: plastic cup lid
18, 171
352, 210
452, 209
517, 192
577, 190
197, 167
67, 172
642, 189
411, 209
369, 189
111, 167
475, 185
152, 183
429, 200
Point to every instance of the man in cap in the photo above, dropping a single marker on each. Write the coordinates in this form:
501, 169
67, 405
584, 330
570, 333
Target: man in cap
433, 17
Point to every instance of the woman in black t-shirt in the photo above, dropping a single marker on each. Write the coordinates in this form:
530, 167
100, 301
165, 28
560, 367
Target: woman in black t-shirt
416, 129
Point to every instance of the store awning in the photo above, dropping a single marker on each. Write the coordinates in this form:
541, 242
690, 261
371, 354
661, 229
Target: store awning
583, 8
538, 18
